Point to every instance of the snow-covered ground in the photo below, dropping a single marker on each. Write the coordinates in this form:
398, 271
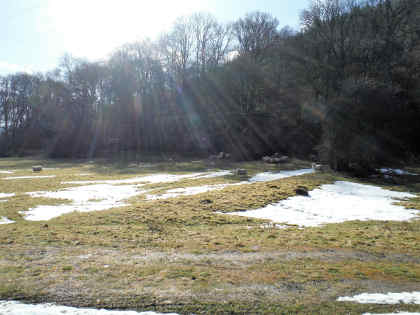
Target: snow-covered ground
105, 194
2, 195
28, 177
396, 171
388, 298
6, 172
17, 308
342, 201
269, 176
189, 191
102, 194
261, 177
335, 203
151, 179
4, 220
84, 198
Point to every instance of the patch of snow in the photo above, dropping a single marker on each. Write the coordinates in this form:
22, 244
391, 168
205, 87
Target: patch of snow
389, 298
28, 177
6, 172
335, 203
269, 176
399, 313
166, 178
261, 177
17, 308
2, 195
153, 179
84, 199
85, 256
4, 220
216, 174
274, 226
187, 191
103, 194
395, 171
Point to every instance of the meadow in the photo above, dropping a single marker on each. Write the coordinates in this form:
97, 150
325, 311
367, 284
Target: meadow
183, 253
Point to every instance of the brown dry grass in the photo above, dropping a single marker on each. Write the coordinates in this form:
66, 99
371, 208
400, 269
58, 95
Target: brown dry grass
182, 255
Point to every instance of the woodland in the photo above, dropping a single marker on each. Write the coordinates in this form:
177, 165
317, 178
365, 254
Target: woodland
344, 89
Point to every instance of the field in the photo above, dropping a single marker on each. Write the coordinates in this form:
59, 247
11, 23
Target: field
183, 255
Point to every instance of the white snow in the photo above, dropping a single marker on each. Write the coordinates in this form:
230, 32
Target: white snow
188, 191
105, 194
6, 172
28, 177
4, 220
84, 198
17, 308
261, 177
395, 171
153, 179
2, 195
269, 176
335, 203
102, 194
388, 298
216, 174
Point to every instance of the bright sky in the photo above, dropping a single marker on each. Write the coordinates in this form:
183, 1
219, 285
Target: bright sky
35, 34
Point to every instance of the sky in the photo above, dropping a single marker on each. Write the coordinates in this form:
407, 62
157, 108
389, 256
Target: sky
35, 34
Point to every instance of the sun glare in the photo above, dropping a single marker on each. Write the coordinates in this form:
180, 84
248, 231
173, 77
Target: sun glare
94, 28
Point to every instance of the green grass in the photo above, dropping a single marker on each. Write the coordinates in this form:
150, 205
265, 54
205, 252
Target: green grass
182, 255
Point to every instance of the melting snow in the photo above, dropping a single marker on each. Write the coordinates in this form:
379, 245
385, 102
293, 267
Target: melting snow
395, 171
84, 198
101, 195
261, 177
4, 220
17, 308
216, 174
106, 194
152, 179
268, 176
335, 203
6, 172
2, 195
29, 177
188, 191
389, 298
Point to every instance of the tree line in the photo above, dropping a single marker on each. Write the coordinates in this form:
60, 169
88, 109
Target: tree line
344, 88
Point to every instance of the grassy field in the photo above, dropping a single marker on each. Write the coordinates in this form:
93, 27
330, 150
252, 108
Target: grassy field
182, 255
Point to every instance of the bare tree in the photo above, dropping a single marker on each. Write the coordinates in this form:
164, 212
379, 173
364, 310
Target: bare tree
176, 48
212, 41
255, 33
